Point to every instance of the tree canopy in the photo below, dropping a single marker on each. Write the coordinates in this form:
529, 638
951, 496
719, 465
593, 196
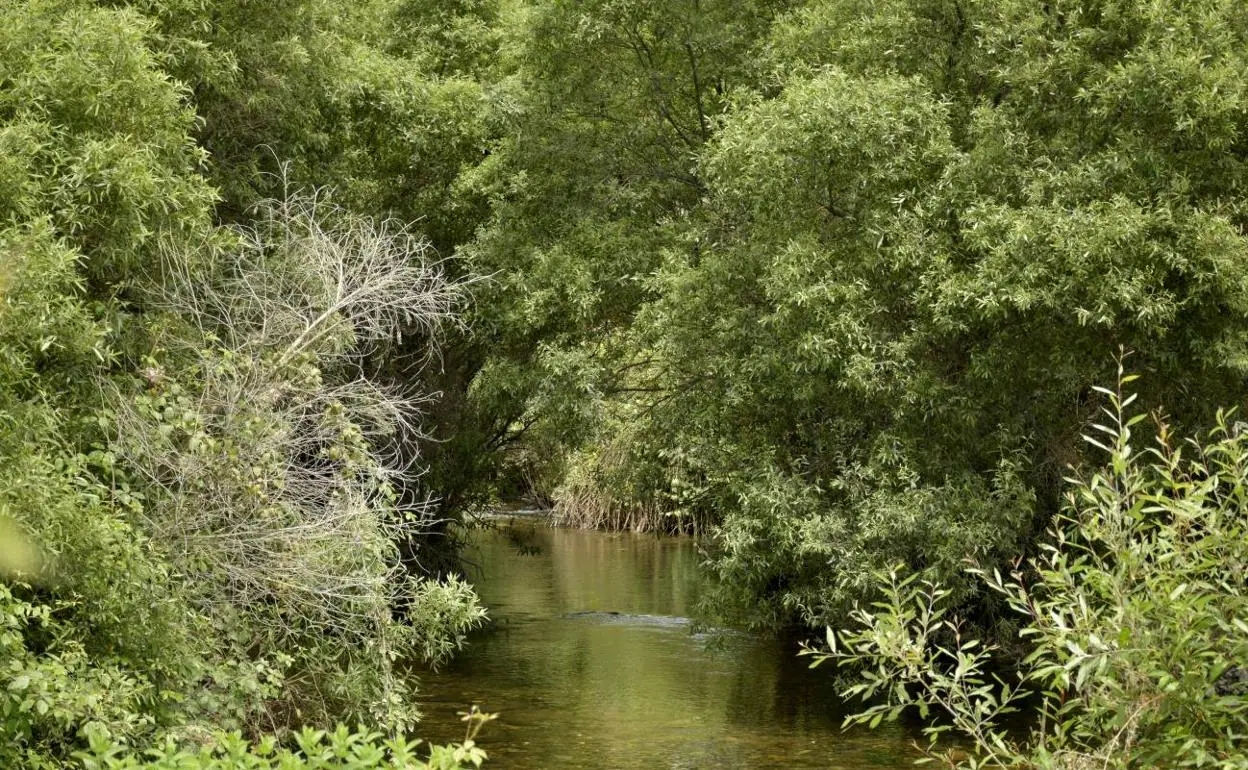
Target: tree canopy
288, 289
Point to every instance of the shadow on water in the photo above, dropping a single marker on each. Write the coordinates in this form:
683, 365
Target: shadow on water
592, 662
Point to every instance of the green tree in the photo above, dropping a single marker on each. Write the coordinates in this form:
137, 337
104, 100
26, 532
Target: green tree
132, 370
921, 242
602, 115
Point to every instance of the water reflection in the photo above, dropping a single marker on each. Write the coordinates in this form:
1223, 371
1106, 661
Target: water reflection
581, 687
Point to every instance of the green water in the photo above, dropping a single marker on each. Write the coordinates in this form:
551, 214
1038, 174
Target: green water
642, 689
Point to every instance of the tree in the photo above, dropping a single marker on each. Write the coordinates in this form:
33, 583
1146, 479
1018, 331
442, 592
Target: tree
590, 184
917, 251
131, 409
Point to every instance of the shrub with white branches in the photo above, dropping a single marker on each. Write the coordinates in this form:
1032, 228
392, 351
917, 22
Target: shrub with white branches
269, 464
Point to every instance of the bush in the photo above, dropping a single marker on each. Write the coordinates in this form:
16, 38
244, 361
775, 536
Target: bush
1134, 613
267, 458
199, 522
314, 750
230, 559
51, 689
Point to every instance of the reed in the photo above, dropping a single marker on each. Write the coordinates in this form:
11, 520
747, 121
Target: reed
605, 489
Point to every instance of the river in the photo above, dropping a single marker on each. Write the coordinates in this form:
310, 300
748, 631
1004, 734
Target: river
578, 686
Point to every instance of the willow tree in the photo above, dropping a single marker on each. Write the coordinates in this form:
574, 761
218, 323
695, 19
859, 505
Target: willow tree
601, 116
926, 240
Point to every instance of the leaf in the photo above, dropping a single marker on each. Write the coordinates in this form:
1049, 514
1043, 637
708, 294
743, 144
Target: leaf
1096, 443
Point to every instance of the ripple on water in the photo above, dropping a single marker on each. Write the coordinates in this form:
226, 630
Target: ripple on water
593, 661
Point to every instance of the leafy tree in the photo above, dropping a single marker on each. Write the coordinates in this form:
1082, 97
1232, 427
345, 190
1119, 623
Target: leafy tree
920, 243
590, 184
125, 396
99, 174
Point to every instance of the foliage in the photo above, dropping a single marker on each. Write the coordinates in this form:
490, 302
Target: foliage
828, 280
50, 696
341, 749
1133, 613
238, 562
447, 37
766, 266
627, 485
96, 138
266, 456
360, 99
383, 102
174, 561
925, 216
600, 113
314, 750
98, 172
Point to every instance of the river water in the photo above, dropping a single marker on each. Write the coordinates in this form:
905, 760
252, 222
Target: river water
577, 686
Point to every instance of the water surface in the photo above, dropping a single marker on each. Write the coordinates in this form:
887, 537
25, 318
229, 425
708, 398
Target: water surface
578, 686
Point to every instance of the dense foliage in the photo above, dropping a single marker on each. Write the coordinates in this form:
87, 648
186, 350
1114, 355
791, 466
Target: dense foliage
288, 288
312, 750
923, 266
199, 481
833, 280
1134, 611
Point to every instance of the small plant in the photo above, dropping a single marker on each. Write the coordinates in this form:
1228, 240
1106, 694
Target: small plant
342, 749
1135, 611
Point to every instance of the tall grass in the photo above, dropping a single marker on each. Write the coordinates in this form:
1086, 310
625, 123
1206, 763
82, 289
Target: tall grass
600, 491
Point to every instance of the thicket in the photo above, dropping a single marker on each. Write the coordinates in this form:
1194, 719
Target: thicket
206, 488
1133, 611
833, 281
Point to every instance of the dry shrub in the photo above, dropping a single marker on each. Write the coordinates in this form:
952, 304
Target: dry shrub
270, 461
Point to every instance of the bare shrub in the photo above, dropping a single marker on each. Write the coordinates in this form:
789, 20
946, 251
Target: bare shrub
270, 462
307, 276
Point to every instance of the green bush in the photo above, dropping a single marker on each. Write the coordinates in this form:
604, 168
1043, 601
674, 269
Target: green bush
97, 171
1134, 613
313, 750
199, 514
52, 690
